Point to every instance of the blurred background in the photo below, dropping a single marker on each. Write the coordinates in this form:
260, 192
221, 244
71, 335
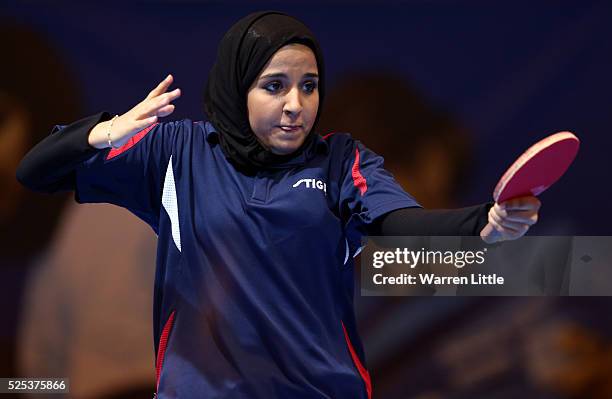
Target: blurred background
449, 92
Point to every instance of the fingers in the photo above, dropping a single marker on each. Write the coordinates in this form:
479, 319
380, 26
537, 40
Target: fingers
147, 112
489, 234
504, 222
525, 217
165, 110
506, 230
161, 87
522, 204
154, 105
144, 123
529, 217
513, 218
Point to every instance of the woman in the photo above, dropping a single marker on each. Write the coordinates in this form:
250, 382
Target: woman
258, 218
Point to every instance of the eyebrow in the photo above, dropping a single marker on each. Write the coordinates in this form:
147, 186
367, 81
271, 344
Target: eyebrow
283, 75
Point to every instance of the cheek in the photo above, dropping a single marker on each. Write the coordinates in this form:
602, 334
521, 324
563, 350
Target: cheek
262, 112
313, 106
310, 113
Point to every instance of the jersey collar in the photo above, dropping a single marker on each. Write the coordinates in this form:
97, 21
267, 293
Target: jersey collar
319, 146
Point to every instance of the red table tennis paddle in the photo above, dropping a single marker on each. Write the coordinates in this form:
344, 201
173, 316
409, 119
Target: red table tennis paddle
533, 172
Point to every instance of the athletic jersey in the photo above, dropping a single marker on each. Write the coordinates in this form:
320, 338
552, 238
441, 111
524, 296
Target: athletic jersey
254, 281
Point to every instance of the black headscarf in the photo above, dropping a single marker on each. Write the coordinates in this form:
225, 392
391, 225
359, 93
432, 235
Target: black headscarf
243, 52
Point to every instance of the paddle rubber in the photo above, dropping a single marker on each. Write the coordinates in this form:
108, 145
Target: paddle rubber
534, 171
538, 168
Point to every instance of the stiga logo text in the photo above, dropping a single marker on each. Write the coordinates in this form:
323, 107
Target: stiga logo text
312, 183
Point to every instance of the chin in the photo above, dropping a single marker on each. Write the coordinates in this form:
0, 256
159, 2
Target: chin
286, 147
284, 150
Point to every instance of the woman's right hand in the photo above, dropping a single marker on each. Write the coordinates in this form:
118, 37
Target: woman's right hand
157, 104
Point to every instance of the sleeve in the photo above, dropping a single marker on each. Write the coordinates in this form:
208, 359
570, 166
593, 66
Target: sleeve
130, 176
367, 191
467, 221
49, 166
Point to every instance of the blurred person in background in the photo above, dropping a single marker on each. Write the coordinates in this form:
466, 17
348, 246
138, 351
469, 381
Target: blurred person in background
429, 153
56, 308
89, 320
36, 90
424, 146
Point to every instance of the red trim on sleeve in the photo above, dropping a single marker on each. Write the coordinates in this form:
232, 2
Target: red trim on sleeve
130, 143
163, 342
365, 375
358, 180
328, 135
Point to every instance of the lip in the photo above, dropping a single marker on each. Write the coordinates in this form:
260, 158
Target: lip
290, 128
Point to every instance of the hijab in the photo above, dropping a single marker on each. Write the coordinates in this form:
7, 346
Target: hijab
243, 52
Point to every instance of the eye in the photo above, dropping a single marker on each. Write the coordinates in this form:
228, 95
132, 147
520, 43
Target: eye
309, 86
273, 87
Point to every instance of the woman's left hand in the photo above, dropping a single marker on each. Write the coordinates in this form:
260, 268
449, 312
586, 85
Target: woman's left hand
511, 219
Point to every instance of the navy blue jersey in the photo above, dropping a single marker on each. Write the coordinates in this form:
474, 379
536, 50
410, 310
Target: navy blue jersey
254, 282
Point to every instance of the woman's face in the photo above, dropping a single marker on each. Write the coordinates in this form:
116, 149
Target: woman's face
284, 99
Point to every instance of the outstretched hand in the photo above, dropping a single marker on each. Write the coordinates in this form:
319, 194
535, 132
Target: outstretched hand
511, 219
157, 104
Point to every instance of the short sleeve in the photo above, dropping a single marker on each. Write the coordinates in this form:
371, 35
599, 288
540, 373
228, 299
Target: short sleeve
132, 176
368, 190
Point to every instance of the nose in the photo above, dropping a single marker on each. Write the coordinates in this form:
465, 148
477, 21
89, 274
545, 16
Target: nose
293, 102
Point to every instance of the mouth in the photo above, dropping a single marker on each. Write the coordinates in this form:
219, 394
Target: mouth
290, 128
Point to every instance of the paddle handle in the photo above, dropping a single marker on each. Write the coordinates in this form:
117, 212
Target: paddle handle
489, 234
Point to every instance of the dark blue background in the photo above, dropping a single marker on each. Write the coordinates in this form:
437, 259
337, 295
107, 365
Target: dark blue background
512, 73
